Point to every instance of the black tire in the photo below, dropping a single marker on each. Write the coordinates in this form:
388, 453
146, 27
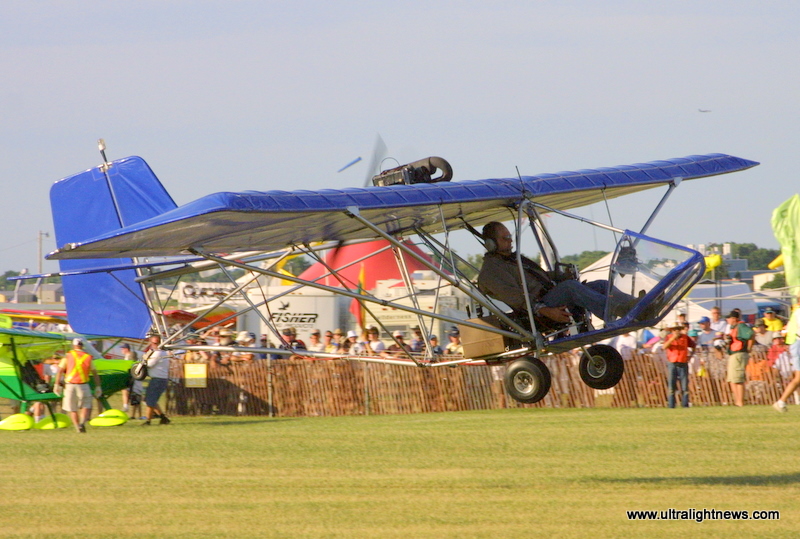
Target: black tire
527, 380
139, 370
602, 367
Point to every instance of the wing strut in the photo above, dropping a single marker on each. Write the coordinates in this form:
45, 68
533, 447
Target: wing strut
672, 185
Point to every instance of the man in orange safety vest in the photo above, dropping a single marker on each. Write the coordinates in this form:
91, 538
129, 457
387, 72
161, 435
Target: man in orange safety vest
74, 370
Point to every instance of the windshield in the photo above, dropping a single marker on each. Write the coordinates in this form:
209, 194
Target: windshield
653, 275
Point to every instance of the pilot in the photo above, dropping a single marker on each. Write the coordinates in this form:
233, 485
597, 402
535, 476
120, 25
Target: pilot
499, 278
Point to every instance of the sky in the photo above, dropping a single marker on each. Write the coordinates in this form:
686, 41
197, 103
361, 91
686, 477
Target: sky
260, 95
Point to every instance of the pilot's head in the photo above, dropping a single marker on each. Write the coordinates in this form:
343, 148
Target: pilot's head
497, 238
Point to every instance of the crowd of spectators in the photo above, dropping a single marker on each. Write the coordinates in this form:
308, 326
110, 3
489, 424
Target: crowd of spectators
335, 342
720, 348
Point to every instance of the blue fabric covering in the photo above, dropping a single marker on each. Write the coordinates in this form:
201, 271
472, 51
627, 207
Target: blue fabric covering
232, 222
83, 207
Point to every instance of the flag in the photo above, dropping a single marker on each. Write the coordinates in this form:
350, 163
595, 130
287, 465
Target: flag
786, 227
356, 307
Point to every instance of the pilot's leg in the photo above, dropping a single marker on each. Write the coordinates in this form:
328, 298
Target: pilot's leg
572, 293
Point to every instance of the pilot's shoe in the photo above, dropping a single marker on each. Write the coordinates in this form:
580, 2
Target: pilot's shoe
647, 313
82, 428
623, 308
780, 406
651, 310
164, 420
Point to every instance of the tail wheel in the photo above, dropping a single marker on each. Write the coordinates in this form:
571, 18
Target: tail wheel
601, 367
527, 380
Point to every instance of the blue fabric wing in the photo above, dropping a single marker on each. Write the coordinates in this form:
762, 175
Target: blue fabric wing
245, 221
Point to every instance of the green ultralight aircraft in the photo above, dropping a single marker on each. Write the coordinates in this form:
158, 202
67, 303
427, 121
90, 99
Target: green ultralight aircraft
21, 350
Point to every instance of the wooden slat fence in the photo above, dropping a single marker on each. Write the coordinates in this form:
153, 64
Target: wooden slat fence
300, 388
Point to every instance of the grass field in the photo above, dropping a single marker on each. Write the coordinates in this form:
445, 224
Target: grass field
509, 473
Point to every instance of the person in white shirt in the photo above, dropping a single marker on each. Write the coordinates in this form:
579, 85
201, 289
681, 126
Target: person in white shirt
158, 371
315, 345
375, 344
718, 324
626, 345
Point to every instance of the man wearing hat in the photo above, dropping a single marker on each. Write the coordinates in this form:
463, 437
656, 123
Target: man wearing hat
399, 347
244, 339
771, 320
454, 348
762, 336
417, 341
290, 341
705, 338
75, 369
221, 357
677, 345
740, 342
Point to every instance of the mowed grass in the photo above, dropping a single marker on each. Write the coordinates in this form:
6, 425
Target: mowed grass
509, 473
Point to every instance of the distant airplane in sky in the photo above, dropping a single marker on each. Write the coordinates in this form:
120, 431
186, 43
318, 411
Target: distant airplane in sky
703, 110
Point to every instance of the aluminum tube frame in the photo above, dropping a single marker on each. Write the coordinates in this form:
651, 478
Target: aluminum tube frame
354, 213
403, 267
577, 217
335, 274
371, 299
309, 353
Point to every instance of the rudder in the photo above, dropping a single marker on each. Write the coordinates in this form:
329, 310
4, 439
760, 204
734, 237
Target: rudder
92, 203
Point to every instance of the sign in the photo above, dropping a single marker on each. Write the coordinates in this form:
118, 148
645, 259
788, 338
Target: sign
305, 313
195, 375
204, 292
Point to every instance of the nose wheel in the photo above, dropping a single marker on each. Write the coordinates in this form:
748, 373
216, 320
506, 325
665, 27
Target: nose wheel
527, 380
601, 366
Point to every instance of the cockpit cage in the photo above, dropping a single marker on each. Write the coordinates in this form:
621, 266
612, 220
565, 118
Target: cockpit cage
656, 274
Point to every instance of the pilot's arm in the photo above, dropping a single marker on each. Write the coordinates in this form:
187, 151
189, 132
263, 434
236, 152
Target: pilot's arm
499, 279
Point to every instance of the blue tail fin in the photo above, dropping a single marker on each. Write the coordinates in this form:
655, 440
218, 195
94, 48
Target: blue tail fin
89, 204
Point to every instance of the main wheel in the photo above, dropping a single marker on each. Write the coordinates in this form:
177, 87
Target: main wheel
601, 367
527, 380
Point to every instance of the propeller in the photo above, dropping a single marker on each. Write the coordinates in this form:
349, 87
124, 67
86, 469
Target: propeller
379, 152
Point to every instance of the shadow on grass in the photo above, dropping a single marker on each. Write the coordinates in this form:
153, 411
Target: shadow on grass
228, 422
739, 480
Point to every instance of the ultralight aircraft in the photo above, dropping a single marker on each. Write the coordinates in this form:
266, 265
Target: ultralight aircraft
23, 352
119, 233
